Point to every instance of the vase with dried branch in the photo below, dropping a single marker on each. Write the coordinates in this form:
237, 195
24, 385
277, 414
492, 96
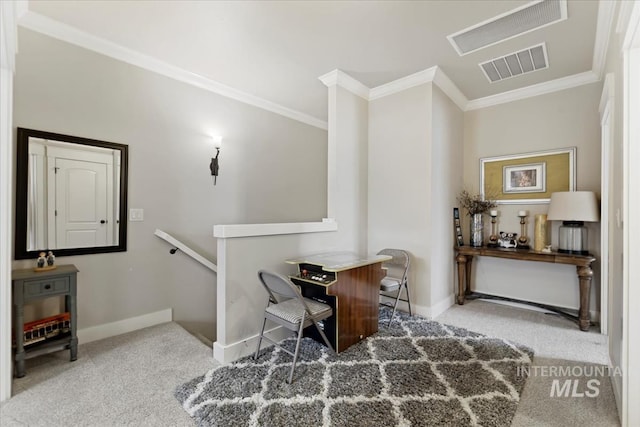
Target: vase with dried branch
476, 207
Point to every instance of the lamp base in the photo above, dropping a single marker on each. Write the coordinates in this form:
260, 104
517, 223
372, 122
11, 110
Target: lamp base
572, 238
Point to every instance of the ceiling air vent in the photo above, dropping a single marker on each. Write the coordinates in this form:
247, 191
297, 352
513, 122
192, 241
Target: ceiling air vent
517, 63
529, 17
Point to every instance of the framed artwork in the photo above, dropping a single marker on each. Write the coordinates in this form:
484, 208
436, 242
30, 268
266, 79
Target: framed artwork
524, 178
528, 178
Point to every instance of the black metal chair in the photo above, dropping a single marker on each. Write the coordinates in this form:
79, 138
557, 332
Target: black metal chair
396, 280
290, 310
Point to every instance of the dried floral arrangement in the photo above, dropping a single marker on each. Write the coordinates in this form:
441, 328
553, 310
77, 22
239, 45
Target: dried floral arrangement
474, 203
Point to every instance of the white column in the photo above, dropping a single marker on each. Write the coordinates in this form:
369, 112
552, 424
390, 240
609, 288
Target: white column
8, 47
347, 159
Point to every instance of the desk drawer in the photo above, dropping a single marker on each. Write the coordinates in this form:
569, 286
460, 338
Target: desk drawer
39, 288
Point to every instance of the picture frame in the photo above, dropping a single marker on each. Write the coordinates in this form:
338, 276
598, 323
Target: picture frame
528, 178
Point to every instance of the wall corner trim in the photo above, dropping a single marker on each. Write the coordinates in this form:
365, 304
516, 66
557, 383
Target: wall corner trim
250, 230
450, 89
344, 80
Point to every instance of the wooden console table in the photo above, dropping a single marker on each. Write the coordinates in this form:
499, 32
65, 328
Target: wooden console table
465, 254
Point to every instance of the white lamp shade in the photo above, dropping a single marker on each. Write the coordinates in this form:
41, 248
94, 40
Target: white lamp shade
574, 206
217, 141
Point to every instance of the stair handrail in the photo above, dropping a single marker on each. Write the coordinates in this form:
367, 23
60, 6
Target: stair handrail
178, 245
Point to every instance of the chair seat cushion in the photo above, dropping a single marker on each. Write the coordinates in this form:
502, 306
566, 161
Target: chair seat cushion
389, 284
292, 310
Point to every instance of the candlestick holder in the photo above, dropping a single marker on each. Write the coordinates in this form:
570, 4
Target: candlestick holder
493, 238
523, 240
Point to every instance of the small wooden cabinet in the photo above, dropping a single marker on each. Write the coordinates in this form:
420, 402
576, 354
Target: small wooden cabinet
29, 285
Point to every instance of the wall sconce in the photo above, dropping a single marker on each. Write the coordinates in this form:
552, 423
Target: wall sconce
214, 165
573, 208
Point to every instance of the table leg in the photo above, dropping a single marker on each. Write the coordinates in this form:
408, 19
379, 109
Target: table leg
585, 274
19, 335
462, 261
468, 275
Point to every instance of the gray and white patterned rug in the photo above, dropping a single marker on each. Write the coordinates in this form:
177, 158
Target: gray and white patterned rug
415, 373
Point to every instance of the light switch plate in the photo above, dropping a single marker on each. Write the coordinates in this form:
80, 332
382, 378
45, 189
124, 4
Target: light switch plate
136, 214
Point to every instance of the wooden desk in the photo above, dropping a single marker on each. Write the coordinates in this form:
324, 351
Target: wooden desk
465, 254
350, 284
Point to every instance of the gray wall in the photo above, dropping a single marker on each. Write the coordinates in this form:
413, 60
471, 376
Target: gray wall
272, 169
562, 119
446, 182
415, 151
399, 180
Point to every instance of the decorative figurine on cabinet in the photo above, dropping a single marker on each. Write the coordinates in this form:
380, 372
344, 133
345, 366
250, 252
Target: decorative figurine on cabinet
51, 259
42, 260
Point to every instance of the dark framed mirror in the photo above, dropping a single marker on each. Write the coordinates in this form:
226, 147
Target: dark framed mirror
71, 195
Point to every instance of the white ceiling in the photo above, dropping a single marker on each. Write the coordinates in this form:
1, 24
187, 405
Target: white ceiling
276, 50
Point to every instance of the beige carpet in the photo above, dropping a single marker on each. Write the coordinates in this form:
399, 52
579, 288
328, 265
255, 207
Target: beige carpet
558, 345
130, 379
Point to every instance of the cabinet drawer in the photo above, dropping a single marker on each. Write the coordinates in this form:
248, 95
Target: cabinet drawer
39, 288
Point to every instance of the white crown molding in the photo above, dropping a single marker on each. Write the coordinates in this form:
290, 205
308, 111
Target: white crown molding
412, 80
344, 80
431, 75
450, 89
607, 93
556, 85
632, 29
8, 35
603, 30
58, 30
624, 13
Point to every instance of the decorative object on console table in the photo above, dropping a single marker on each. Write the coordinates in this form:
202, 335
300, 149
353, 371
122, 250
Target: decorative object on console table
493, 238
456, 227
573, 208
508, 240
540, 232
476, 230
476, 207
523, 240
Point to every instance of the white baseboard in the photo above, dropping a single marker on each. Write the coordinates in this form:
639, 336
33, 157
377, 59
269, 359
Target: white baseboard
112, 329
225, 353
428, 312
442, 306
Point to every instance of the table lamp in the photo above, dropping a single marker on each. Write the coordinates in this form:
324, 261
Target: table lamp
573, 208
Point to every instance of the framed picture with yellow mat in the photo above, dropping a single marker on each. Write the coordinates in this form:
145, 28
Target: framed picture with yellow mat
528, 178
